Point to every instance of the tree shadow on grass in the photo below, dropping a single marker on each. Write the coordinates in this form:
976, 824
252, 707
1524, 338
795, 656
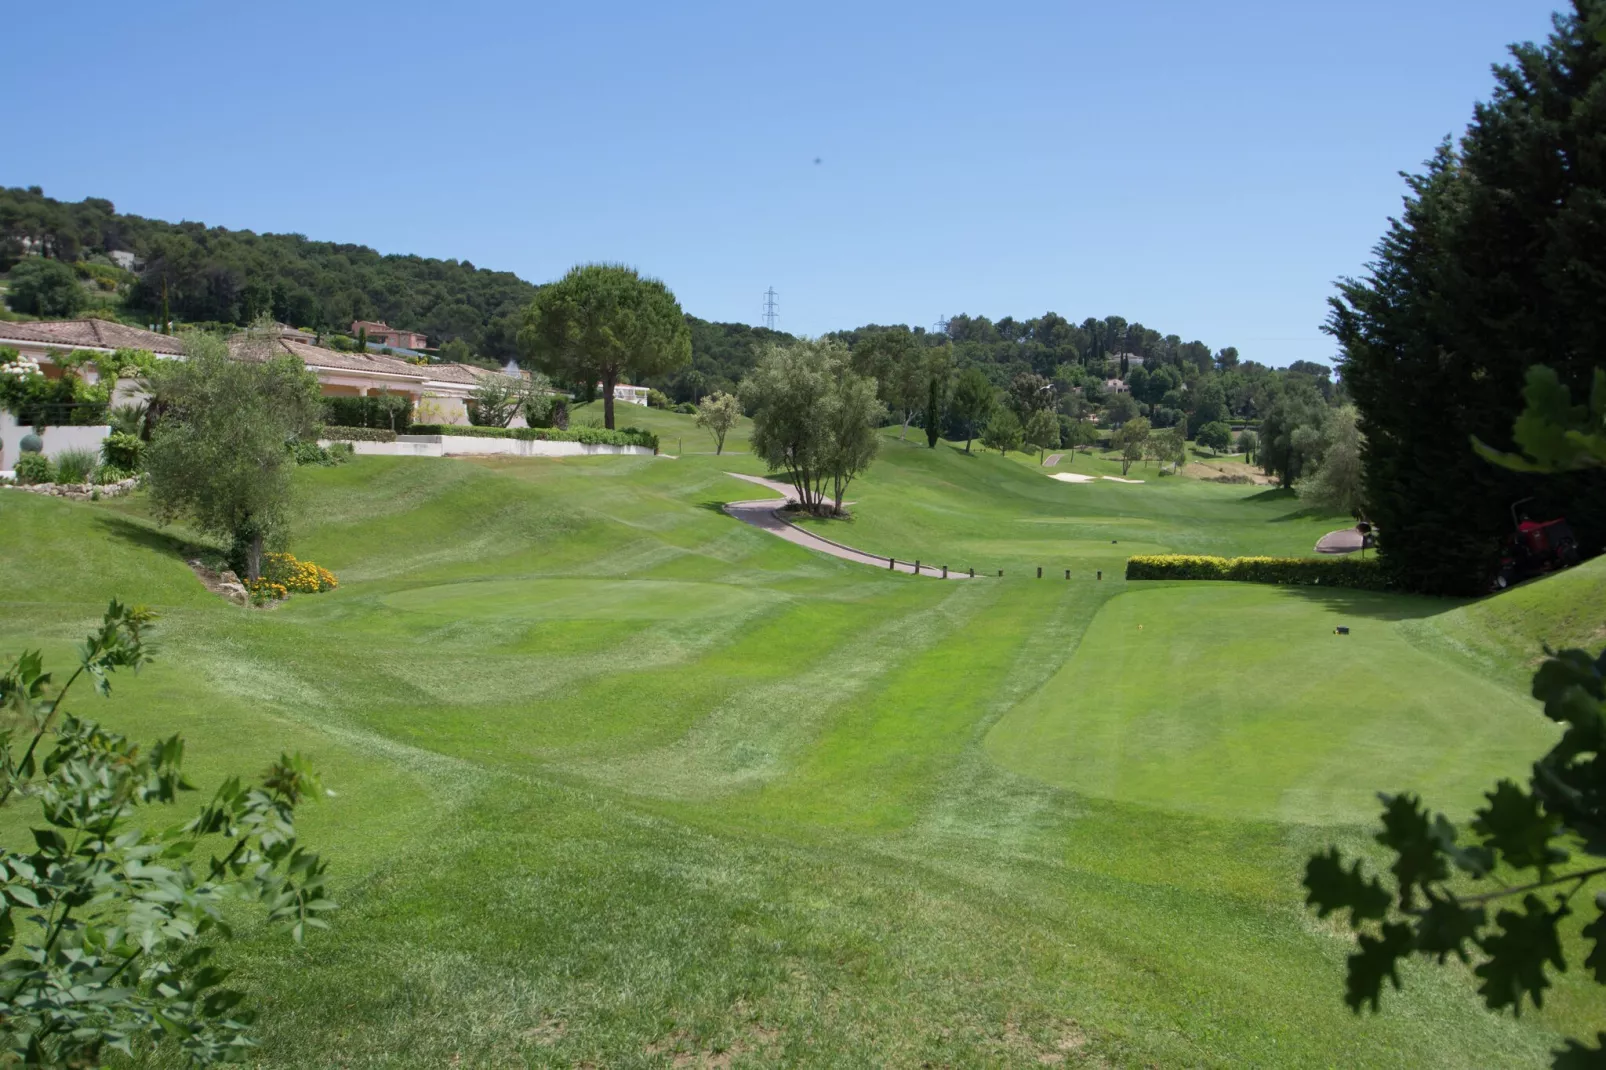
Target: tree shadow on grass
1377, 605
147, 537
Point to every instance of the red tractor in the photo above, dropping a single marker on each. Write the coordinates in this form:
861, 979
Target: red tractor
1534, 548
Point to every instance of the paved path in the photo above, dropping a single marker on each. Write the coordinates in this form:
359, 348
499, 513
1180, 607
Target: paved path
763, 514
1052, 459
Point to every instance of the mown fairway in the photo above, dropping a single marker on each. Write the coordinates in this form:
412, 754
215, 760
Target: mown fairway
622, 782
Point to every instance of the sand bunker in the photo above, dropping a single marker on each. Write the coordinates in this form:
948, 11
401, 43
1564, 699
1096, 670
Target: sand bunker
1071, 477
1118, 479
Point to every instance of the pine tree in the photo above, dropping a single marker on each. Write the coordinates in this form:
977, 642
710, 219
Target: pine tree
1497, 263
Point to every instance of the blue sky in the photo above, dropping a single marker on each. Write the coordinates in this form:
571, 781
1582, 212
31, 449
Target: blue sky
1207, 169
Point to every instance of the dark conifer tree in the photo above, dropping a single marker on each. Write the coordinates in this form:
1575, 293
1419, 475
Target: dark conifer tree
1498, 263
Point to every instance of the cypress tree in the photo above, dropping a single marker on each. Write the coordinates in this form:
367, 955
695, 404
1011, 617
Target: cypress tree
1497, 263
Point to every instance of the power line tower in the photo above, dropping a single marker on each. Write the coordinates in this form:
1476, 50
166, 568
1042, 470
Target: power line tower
941, 326
770, 308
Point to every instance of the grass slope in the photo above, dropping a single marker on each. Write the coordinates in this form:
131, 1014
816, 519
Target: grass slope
620, 781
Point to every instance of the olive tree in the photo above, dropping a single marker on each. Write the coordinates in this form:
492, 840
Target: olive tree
973, 401
1132, 440
717, 414
495, 400
602, 321
219, 454
814, 419
1043, 431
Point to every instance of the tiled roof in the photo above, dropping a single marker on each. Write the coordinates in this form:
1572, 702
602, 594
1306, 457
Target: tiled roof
466, 374
84, 334
318, 357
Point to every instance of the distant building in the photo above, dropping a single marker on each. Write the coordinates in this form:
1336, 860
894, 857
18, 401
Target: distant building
629, 395
1116, 386
123, 259
383, 334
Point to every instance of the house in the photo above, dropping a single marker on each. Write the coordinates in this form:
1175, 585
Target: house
439, 392
629, 395
124, 259
383, 334
1116, 386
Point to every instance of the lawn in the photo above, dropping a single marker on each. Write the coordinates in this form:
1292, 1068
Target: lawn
622, 782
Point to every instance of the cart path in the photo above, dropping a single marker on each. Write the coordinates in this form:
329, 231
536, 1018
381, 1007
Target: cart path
1052, 459
762, 514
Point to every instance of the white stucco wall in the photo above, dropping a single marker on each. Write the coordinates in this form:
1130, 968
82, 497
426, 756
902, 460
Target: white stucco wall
56, 439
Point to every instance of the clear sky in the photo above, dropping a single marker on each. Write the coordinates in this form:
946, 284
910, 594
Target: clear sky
1206, 169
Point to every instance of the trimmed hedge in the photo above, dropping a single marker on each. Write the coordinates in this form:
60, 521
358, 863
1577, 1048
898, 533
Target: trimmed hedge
1360, 574
591, 436
358, 434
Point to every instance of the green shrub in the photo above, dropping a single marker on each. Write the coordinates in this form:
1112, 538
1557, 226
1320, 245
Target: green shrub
388, 411
1358, 573
657, 399
34, 468
76, 465
358, 434
110, 473
587, 434
310, 453
122, 450
685, 408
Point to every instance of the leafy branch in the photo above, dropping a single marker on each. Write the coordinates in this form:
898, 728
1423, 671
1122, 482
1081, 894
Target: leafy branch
122, 926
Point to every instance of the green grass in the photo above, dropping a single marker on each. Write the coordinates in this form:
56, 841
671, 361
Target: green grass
621, 781
677, 432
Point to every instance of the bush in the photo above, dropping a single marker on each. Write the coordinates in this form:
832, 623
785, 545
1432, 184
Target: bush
122, 450
358, 434
588, 434
1359, 573
76, 465
657, 399
685, 408
34, 468
388, 411
310, 453
110, 473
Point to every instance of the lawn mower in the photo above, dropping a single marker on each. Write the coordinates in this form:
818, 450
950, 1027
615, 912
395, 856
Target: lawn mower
1534, 548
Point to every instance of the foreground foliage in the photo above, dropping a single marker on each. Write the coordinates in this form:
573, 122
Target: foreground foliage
1525, 837
111, 928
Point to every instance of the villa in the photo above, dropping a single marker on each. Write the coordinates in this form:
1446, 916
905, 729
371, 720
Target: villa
438, 391
629, 395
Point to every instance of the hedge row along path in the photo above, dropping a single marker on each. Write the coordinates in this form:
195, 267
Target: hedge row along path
764, 514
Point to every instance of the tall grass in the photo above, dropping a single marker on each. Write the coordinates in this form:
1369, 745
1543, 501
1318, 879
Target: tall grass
76, 465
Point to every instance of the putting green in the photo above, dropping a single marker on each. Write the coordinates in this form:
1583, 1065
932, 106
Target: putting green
1241, 701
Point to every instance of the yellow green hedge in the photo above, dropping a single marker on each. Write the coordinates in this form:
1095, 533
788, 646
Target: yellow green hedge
1349, 571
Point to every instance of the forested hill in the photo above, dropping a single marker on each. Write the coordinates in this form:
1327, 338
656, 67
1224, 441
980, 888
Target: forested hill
204, 274
217, 275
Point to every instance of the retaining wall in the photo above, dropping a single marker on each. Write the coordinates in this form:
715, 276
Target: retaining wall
56, 439
468, 445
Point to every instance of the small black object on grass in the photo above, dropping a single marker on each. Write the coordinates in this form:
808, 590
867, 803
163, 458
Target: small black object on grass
1342, 629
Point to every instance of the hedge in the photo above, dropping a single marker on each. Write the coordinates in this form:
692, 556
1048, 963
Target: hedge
1359, 573
368, 411
591, 436
358, 434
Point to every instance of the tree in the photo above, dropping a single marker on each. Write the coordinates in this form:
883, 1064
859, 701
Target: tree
1119, 409
1029, 393
602, 321
1292, 435
896, 360
1483, 275
973, 402
1131, 440
495, 400
1081, 433
1208, 405
1249, 444
1003, 431
1215, 437
538, 400
219, 452
1170, 446
42, 287
1043, 431
1338, 480
717, 414
1522, 841
939, 372
813, 418
111, 927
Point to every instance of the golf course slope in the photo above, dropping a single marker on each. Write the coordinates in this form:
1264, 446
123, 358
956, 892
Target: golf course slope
618, 780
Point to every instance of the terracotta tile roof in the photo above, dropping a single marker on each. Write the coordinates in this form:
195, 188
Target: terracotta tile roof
318, 357
466, 374
89, 334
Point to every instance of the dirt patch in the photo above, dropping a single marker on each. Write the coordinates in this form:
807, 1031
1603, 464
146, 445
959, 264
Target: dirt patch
549, 1032
684, 1053
225, 585
1228, 472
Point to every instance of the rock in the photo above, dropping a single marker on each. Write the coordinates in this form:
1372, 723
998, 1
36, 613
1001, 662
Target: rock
229, 577
234, 592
